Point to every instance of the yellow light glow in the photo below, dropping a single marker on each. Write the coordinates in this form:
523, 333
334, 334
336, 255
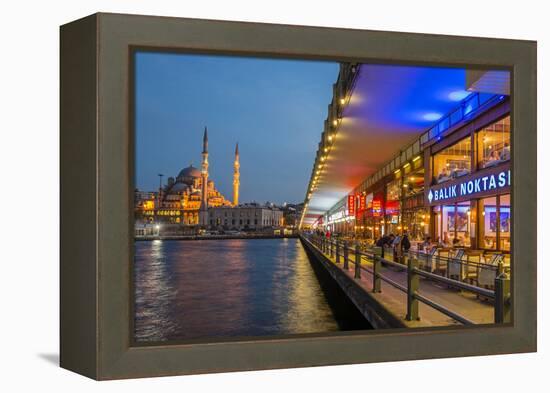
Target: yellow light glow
406, 165
330, 138
397, 171
342, 101
326, 149
335, 122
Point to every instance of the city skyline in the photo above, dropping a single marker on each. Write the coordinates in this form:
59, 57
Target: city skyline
273, 108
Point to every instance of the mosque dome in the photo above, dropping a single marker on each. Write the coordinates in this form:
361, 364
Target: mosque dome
189, 172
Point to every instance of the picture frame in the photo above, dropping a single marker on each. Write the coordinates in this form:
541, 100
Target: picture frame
97, 159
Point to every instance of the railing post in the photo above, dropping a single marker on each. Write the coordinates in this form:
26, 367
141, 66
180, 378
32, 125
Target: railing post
331, 247
346, 255
502, 299
413, 282
337, 252
357, 261
376, 282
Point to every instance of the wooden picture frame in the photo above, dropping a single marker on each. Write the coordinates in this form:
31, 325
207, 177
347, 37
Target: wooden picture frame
97, 160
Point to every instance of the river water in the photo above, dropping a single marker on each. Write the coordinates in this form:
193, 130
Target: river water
201, 289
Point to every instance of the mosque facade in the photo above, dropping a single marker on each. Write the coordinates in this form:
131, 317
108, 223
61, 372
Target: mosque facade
186, 198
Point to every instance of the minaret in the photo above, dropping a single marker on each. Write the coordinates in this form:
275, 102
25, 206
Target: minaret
236, 176
203, 213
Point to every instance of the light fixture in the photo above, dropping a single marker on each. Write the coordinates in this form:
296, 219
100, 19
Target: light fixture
406, 165
342, 101
326, 149
335, 122
330, 138
416, 158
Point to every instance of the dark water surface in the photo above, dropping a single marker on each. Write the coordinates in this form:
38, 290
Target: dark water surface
234, 288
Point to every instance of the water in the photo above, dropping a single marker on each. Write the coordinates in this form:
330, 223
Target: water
202, 289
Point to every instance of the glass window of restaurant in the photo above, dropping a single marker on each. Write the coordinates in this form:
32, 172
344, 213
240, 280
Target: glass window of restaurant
453, 223
414, 216
392, 210
453, 162
495, 220
493, 143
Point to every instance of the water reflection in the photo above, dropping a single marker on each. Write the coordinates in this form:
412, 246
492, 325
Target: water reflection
231, 288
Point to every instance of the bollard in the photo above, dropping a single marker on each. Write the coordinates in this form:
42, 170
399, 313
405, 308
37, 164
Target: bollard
413, 282
346, 255
337, 252
377, 265
357, 261
502, 299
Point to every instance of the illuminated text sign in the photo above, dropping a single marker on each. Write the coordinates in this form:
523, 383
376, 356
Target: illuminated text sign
471, 186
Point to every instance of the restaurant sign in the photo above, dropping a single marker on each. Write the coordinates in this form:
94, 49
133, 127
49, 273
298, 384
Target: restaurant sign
479, 183
376, 207
362, 203
351, 205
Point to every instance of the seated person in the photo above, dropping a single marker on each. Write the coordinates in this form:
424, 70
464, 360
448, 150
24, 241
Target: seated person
443, 175
505, 154
458, 242
425, 245
493, 159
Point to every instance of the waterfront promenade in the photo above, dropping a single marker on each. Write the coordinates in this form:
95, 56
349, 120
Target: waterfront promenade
393, 301
251, 235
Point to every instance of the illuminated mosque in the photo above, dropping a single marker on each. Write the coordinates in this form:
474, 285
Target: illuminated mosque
186, 198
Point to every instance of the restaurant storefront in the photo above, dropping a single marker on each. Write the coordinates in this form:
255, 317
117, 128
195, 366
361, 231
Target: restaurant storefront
469, 196
451, 185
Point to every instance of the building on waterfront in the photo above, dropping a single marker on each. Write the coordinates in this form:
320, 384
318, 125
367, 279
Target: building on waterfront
250, 216
291, 214
452, 182
186, 198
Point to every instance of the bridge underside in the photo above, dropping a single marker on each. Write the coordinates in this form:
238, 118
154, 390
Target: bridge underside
388, 108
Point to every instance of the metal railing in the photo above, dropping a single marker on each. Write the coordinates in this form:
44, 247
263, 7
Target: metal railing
337, 249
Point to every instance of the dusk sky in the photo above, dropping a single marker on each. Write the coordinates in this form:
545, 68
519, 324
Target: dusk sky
274, 108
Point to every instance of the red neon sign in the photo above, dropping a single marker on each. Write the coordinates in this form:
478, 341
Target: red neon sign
376, 207
351, 205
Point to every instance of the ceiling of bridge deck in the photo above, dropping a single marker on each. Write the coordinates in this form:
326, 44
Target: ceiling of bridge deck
389, 107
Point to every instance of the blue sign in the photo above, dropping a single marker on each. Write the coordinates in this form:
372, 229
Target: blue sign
471, 187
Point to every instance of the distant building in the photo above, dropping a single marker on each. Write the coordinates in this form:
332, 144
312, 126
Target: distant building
291, 214
250, 216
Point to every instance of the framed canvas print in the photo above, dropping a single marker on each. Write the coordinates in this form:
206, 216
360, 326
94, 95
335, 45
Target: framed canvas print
240, 196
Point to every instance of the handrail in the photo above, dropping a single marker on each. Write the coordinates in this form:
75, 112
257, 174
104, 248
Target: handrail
444, 310
502, 298
456, 284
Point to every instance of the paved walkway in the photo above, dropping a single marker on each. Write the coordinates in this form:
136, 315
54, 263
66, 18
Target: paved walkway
461, 302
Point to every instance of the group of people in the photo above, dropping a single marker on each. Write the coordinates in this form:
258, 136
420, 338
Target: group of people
399, 243
502, 155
